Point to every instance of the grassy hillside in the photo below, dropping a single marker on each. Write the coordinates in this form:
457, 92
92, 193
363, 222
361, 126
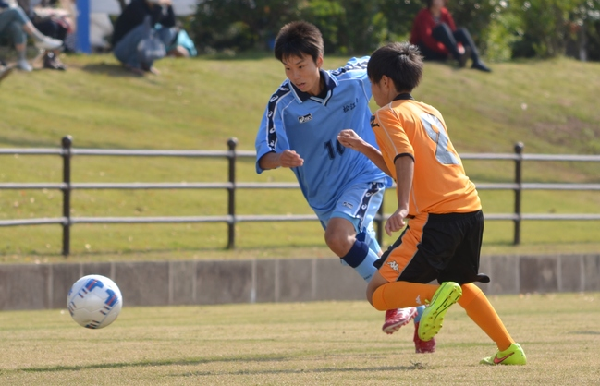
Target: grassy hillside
197, 104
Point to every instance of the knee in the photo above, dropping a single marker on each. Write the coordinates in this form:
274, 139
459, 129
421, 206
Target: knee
469, 292
441, 30
339, 242
462, 33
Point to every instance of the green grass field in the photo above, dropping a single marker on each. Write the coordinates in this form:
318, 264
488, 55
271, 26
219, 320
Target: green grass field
197, 104
329, 343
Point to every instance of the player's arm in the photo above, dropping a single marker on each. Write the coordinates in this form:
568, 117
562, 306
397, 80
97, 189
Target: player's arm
351, 140
404, 170
286, 159
272, 148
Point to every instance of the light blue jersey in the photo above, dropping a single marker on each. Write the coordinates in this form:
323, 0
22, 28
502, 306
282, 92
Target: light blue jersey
295, 120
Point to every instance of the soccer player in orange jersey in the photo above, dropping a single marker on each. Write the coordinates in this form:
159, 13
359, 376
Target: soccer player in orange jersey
443, 239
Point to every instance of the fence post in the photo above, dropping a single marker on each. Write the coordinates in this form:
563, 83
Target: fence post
231, 160
66, 143
518, 169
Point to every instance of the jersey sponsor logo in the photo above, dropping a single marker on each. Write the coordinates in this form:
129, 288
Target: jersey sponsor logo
393, 265
350, 106
305, 118
418, 299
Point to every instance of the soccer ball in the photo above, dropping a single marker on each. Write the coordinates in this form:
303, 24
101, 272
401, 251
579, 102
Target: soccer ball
94, 301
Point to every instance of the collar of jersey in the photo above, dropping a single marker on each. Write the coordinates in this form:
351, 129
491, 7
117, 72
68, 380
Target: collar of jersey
329, 83
405, 96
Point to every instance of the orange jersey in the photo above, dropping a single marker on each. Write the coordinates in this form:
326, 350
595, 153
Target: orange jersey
439, 183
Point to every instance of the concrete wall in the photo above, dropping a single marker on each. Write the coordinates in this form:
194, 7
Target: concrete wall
206, 282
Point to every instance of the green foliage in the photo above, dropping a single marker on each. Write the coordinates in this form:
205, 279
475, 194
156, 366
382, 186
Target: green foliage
501, 29
328, 16
241, 25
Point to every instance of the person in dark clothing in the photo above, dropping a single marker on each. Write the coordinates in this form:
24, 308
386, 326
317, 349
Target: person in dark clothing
136, 41
437, 37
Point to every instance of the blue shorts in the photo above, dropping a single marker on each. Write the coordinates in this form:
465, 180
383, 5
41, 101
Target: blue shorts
358, 204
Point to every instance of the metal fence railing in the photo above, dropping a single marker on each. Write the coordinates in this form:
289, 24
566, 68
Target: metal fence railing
232, 186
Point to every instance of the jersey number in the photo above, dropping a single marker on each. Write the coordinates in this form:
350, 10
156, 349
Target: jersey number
442, 154
330, 150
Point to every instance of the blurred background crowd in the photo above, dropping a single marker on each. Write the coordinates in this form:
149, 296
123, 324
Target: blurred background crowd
500, 30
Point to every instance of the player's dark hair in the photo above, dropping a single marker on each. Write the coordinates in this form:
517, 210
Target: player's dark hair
400, 61
298, 38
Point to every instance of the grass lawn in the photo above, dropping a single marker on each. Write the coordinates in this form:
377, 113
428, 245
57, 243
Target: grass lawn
326, 343
199, 103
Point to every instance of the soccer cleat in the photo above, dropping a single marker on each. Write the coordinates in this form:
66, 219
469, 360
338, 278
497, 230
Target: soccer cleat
396, 318
422, 347
433, 316
513, 355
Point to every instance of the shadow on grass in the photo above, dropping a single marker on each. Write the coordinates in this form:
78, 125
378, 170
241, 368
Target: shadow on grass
239, 359
110, 69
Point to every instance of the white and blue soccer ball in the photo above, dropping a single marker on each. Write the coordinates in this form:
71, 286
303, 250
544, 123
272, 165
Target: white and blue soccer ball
94, 301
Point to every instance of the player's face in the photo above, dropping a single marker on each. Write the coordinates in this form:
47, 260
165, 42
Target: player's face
379, 94
304, 73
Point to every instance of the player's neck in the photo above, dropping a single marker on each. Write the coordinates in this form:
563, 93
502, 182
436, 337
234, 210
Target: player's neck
319, 86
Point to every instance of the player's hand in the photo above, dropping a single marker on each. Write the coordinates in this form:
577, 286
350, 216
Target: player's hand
290, 159
396, 222
350, 139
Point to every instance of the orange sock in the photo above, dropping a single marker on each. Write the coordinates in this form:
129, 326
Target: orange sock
402, 294
479, 309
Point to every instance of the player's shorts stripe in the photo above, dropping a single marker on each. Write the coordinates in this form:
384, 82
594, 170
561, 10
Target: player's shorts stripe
271, 110
366, 200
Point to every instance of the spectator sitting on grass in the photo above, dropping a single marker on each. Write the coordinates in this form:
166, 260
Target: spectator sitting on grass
52, 22
437, 37
15, 25
136, 41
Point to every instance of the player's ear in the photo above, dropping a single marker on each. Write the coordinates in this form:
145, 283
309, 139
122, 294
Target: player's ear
320, 61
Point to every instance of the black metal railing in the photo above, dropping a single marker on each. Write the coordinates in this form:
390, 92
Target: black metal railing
231, 218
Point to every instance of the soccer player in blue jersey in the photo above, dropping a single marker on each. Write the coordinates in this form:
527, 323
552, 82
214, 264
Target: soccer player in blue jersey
299, 131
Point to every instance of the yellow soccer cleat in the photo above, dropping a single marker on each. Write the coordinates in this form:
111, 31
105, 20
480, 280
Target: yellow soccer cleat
513, 355
433, 316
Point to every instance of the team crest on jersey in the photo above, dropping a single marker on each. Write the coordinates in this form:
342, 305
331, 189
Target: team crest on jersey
393, 265
373, 124
305, 118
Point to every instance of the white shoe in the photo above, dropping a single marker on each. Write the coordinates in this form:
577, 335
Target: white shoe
24, 66
49, 44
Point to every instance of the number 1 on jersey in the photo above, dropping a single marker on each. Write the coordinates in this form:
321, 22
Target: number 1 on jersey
330, 150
